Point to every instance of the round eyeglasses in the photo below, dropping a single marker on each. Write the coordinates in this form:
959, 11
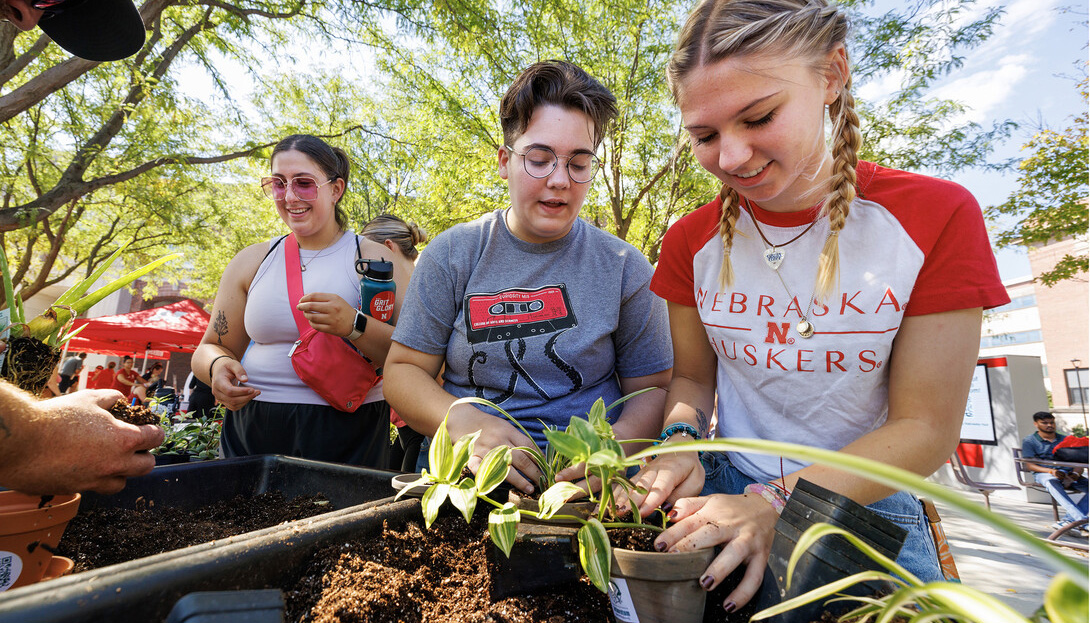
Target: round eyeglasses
540, 162
305, 188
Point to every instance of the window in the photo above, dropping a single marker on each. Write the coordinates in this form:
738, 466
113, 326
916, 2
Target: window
1019, 302
1010, 339
1077, 380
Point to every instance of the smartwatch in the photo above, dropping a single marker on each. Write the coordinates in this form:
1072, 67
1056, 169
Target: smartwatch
359, 325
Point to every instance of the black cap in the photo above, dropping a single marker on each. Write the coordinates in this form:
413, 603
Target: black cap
96, 30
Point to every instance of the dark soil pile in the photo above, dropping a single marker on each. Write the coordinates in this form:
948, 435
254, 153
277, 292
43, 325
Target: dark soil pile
635, 539
133, 414
411, 575
98, 537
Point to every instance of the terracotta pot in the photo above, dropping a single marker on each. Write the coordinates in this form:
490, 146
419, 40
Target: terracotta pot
649, 587
28, 533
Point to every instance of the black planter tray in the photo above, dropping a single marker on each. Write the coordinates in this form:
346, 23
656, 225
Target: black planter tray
193, 485
189, 486
147, 589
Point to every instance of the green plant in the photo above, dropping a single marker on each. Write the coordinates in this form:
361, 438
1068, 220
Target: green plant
589, 441
50, 326
200, 438
1066, 600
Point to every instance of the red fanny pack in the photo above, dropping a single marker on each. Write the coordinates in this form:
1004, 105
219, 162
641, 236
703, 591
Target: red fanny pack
326, 363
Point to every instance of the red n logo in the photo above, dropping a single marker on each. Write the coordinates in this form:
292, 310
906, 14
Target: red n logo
777, 332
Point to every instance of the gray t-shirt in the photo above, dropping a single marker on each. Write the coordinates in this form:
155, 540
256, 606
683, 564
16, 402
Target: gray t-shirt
543, 330
71, 366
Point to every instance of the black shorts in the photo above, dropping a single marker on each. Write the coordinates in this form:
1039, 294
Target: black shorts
317, 432
66, 382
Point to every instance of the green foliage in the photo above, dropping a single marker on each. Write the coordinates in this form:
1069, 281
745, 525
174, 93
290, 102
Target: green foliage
49, 327
912, 597
199, 438
1050, 203
1067, 593
588, 441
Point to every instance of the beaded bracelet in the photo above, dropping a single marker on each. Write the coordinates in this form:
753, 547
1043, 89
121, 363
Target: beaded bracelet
771, 494
683, 428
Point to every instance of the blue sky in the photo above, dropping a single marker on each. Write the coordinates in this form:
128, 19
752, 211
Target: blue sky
1024, 73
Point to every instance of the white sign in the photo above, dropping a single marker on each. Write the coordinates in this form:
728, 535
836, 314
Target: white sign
979, 423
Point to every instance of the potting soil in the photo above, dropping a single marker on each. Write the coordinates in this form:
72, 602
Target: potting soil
98, 537
409, 574
133, 414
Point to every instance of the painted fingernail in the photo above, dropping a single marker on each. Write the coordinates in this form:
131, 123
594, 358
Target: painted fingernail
729, 606
660, 546
671, 515
667, 506
706, 583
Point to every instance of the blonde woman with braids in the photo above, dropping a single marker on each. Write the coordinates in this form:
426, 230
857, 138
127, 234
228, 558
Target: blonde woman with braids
818, 299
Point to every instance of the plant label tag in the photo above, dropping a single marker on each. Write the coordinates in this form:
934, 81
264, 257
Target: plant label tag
621, 600
11, 567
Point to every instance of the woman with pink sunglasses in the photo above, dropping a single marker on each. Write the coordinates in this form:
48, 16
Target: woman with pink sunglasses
244, 355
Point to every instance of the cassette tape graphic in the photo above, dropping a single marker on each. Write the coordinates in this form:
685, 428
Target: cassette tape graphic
517, 313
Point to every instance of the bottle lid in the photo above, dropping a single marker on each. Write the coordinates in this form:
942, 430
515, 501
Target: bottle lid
378, 270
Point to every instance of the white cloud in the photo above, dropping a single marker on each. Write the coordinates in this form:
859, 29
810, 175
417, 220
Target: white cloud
985, 92
1021, 21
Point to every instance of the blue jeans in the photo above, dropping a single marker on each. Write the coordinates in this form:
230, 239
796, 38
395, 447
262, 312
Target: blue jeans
1075, 511
918, 555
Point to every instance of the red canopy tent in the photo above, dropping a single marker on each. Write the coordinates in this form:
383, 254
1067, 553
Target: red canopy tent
177, 327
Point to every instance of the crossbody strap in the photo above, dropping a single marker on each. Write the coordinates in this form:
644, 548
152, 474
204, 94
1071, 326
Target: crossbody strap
295, 281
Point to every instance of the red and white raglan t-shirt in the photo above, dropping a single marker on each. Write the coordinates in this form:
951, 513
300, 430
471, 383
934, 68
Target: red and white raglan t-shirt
912, 245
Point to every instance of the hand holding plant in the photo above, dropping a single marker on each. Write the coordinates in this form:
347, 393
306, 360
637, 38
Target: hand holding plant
587, 441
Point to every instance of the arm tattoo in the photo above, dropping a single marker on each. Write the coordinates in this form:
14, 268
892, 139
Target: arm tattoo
702, 424
220, 327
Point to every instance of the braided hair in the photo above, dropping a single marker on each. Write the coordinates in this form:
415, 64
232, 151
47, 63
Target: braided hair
718, 29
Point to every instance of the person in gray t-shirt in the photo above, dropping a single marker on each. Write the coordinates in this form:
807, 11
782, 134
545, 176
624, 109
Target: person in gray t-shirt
70, 370
531, 307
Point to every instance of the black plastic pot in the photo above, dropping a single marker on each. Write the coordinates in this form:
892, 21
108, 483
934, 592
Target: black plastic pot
542, 557
147, 589
831, 558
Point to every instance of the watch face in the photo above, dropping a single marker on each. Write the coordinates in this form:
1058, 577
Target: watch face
361, 322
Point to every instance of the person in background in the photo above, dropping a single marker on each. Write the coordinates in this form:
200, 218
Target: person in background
1040, 445
69, 372
201, 401
127, 380
152, 380
818, 299
271, 409
104, 378
532, 307
401, 239
88, 448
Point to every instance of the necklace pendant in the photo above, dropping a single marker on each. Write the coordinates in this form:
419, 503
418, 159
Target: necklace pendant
805, 328
303, 268
773, 257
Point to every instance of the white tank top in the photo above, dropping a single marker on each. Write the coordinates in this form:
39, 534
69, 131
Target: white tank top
269, 322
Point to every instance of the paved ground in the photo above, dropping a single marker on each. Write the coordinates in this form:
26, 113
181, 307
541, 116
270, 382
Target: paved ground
996, 564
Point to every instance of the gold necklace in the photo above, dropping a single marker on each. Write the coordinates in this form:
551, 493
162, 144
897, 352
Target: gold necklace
320, 253
774, 254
